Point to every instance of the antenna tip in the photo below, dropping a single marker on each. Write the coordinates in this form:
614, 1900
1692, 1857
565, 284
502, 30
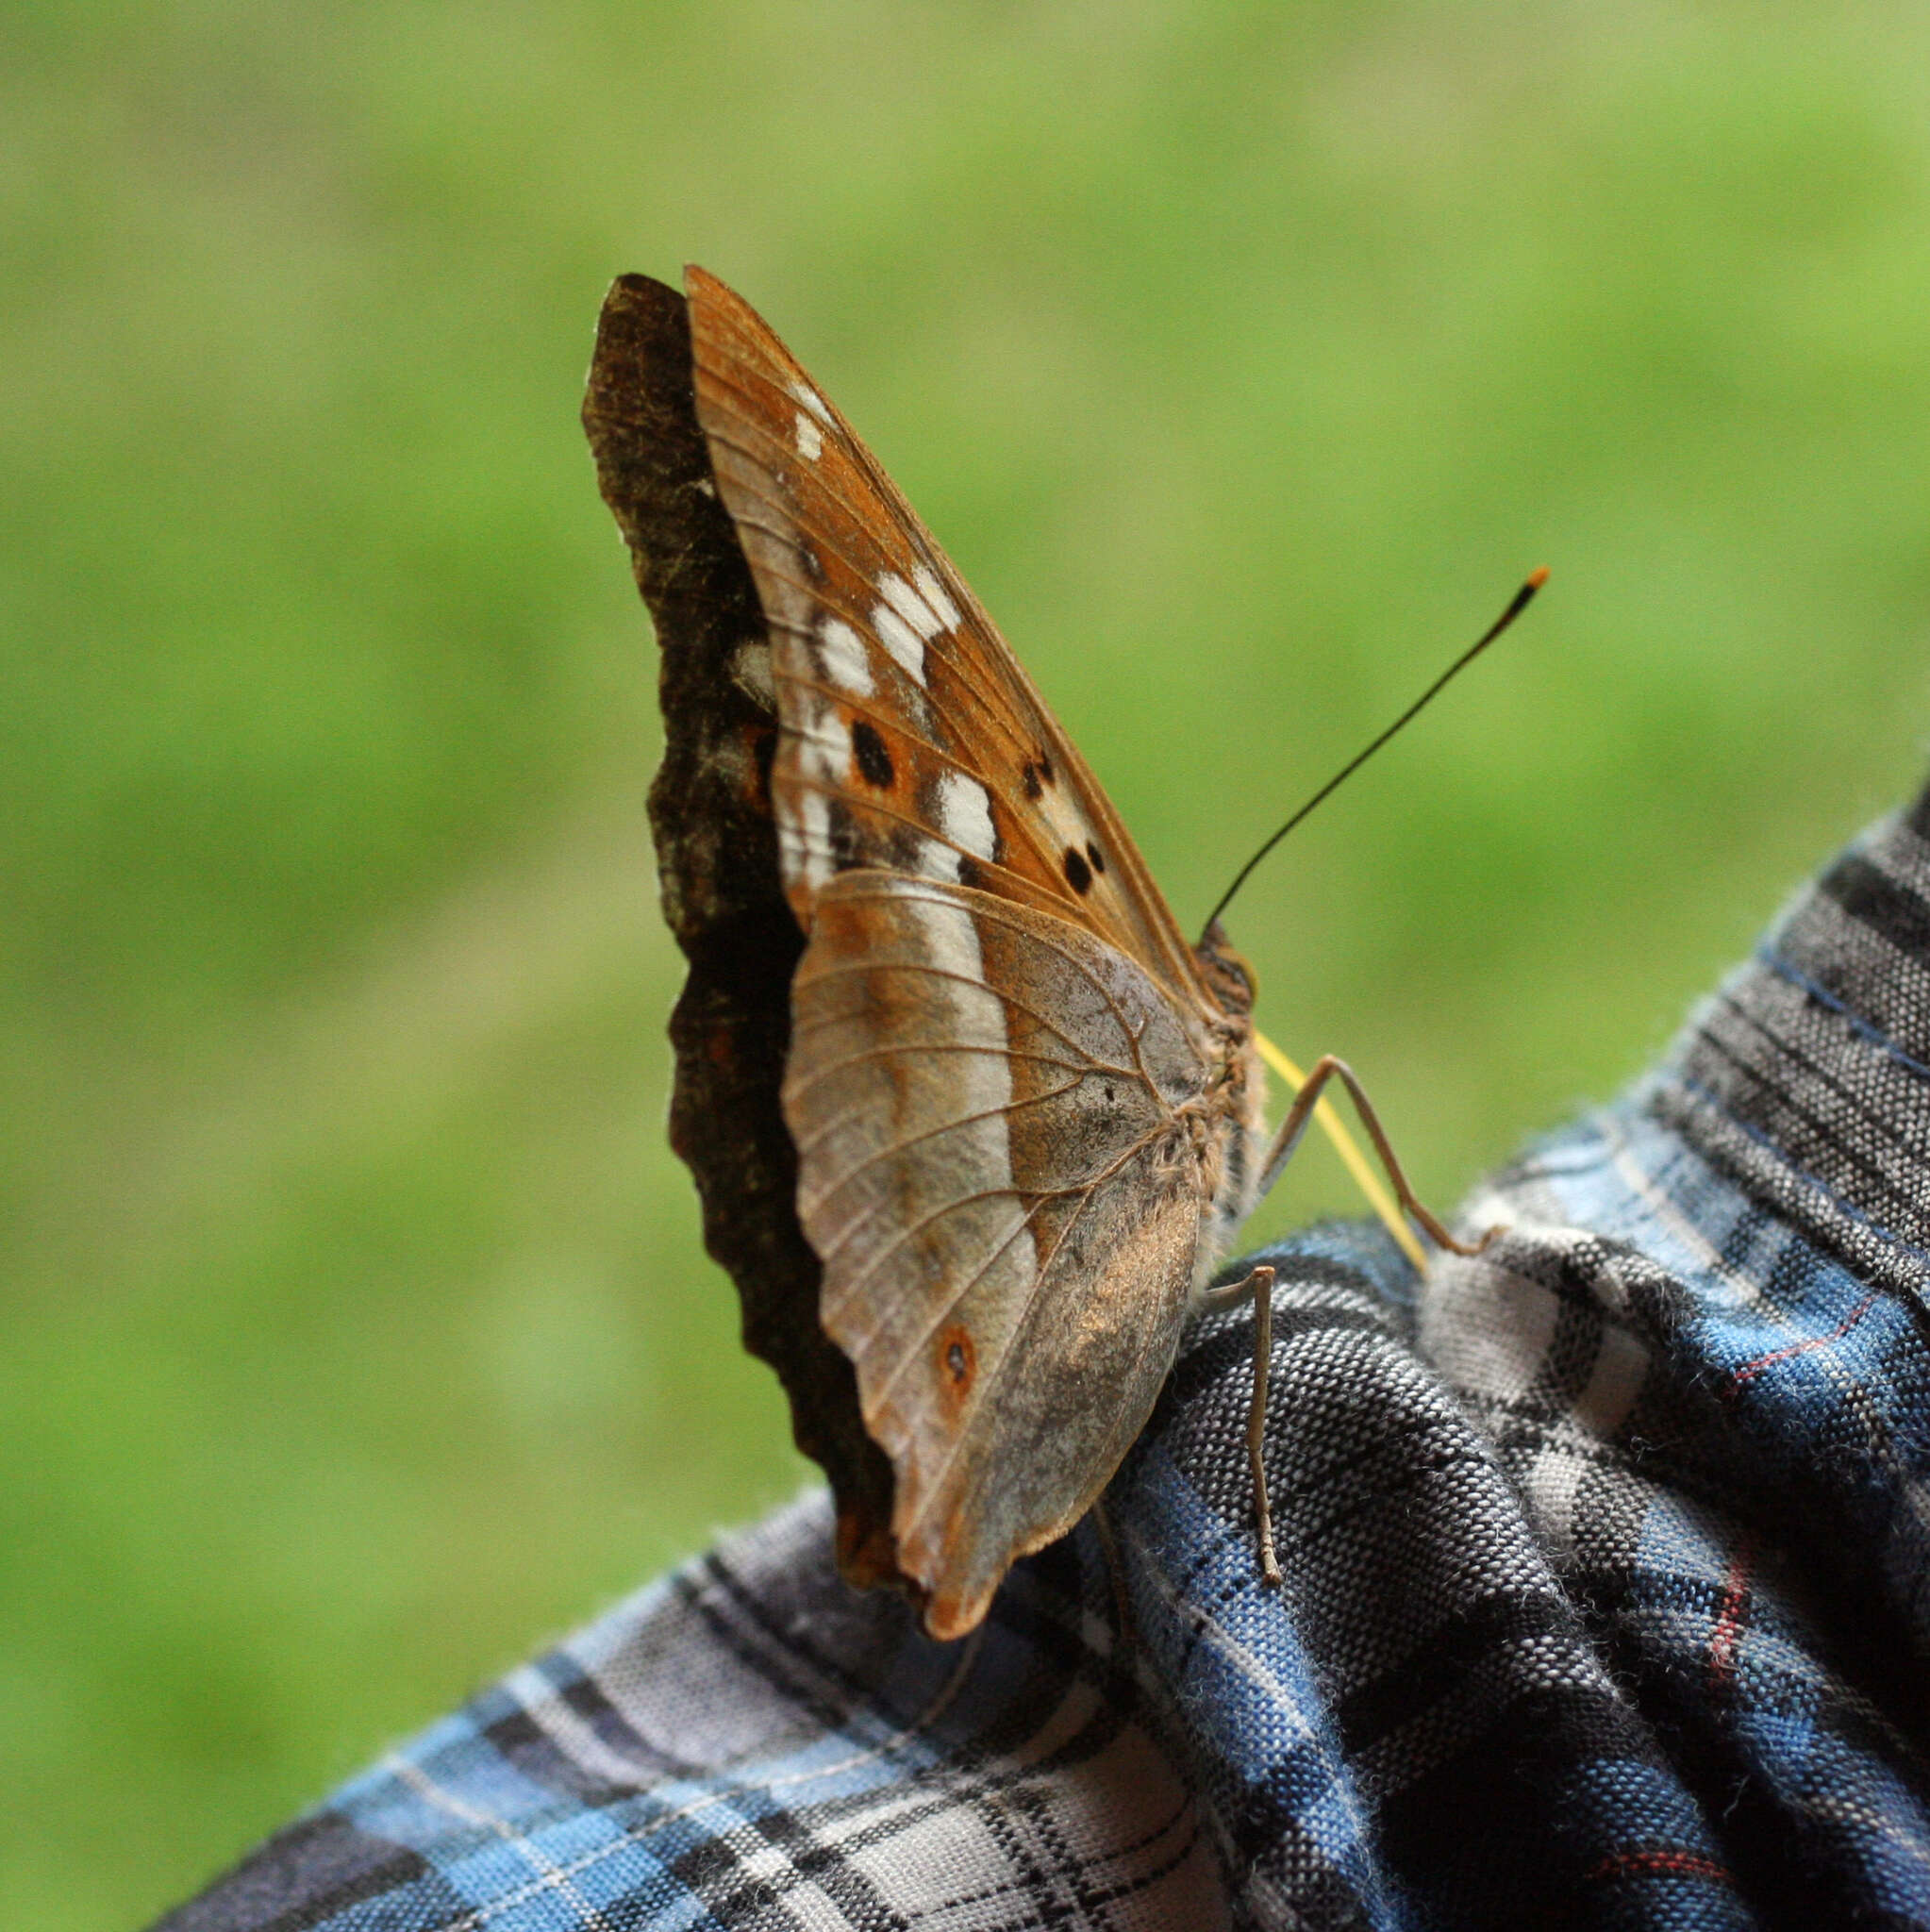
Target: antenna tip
1537, 577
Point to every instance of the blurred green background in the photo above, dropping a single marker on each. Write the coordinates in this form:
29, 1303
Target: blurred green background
357, 1337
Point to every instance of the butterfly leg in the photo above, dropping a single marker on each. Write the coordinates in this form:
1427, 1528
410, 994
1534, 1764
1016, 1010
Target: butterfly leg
1260, 1286
1288, 1139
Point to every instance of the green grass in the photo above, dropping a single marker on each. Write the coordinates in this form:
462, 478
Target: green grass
356, 1336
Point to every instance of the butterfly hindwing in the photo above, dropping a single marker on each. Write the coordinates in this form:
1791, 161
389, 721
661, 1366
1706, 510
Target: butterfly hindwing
986, 1103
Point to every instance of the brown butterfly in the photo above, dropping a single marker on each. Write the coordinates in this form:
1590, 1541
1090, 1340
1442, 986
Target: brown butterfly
958, 1093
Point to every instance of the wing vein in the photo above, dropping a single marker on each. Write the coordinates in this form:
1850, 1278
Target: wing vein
845, 968
894, 1150
807, 1081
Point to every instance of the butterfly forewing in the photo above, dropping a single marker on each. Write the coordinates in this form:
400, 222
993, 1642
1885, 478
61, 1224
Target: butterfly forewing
914, 740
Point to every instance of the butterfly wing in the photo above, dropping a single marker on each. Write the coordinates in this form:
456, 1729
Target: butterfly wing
990, 1108
914, 740
1013, 1097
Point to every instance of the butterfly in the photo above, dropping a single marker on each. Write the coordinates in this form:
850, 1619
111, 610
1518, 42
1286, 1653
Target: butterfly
971, 1120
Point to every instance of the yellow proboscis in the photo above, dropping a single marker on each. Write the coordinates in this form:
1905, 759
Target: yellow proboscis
1349, 1150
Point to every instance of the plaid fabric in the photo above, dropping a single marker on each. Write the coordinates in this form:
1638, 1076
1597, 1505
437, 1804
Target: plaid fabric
1606, 1600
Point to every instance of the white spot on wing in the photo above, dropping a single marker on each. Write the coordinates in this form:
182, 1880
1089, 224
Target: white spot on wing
824, 741
810, 439
805, 848
965, 815
812, 401
969, 1093
844, 658
900, 639
951, 942
910, 606
804, 812
937, 860
926, 581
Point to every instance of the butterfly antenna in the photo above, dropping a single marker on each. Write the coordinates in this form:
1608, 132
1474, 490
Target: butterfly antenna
1517, 604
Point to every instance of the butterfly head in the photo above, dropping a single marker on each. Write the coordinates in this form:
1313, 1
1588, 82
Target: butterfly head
1229, 978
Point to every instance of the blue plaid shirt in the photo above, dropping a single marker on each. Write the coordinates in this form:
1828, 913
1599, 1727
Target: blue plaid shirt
1606, 1594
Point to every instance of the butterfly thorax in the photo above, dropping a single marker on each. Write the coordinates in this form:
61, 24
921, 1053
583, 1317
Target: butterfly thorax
1228, 1118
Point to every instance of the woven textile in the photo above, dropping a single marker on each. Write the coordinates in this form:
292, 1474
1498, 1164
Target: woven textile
1606, 1594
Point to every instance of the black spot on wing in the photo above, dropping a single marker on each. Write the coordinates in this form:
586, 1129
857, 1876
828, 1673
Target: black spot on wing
970, 872
1098, 857
1078, 874
1033, 782
873, 761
